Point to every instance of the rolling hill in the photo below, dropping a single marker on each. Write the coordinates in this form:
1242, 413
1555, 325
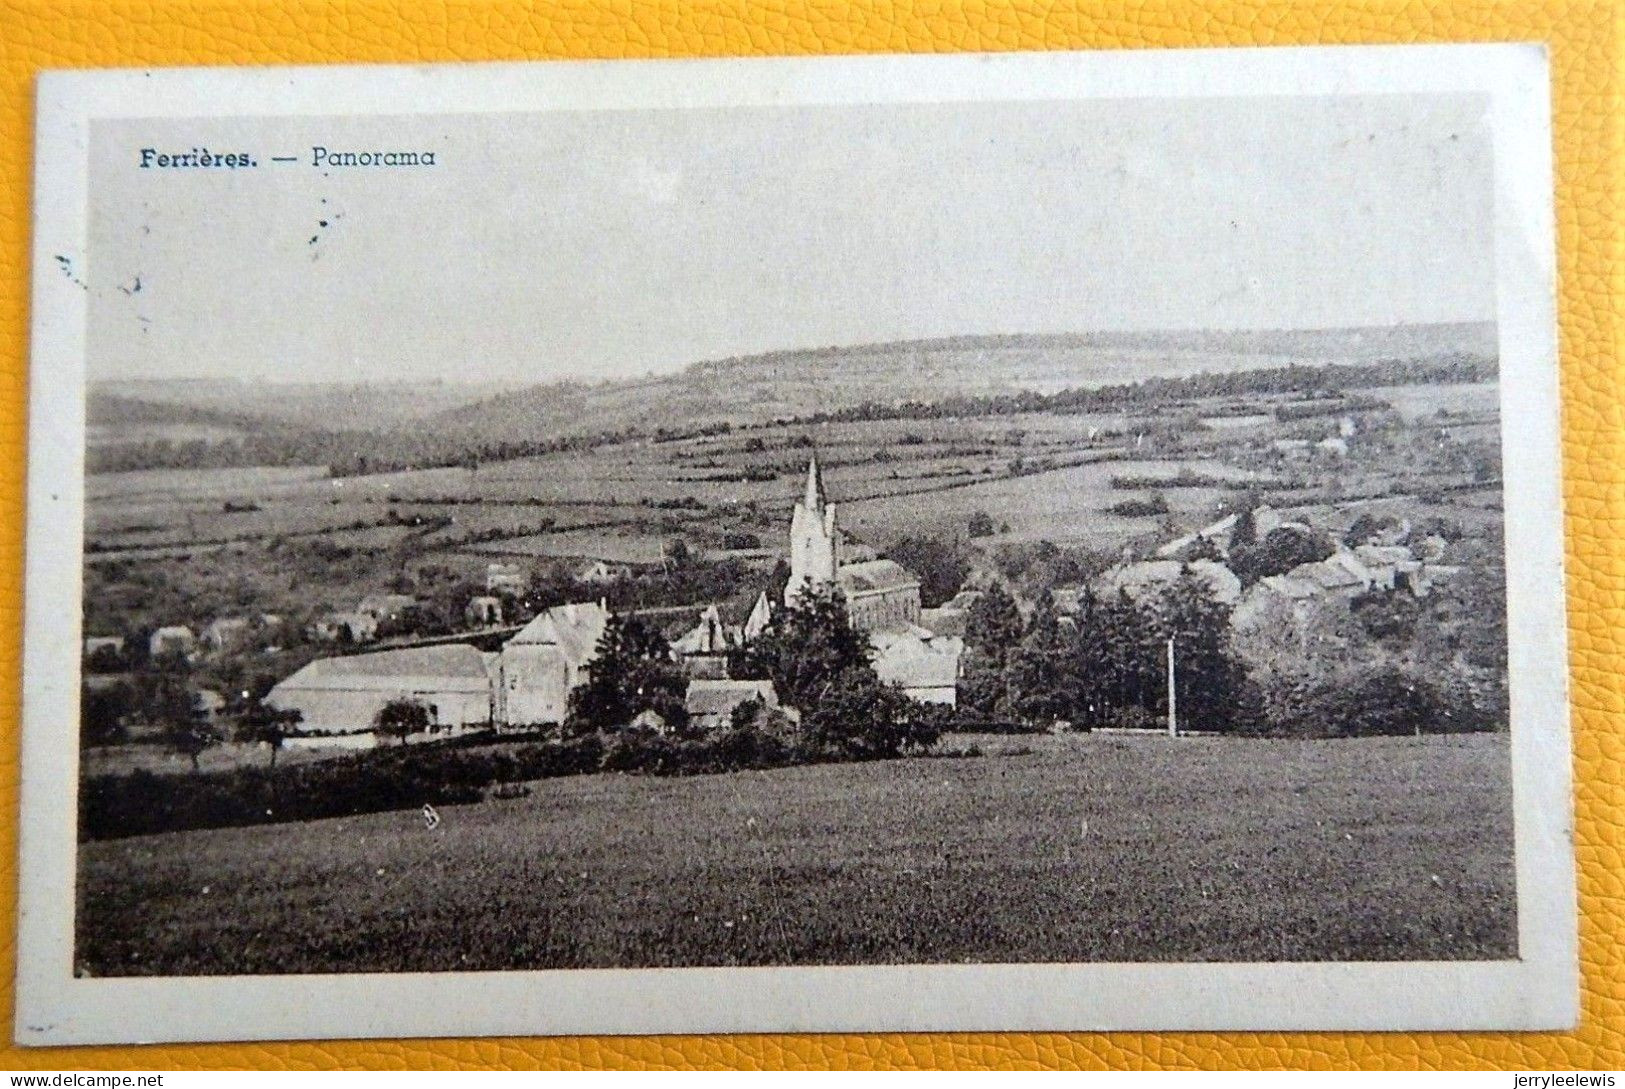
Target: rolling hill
369, 428
798, 383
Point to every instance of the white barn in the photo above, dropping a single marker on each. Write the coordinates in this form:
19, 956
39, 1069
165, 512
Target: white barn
342, 695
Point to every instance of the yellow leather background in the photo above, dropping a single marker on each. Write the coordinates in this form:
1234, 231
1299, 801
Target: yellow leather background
1584, 38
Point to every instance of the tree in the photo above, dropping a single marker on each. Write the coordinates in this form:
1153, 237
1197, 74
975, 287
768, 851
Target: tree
940, 564
810, 642
104, 659
993, 624
980, 525
1387, 616
677, 553
821, 666
401, 716
1365, 527
102, 711
981, 682
1245, 531
1203, 548
1279, 552
632, 671
1040, 672
744, 714
1210, 681
186, 726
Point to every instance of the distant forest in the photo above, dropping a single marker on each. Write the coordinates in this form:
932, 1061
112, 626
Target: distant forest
262, 442
1328, 378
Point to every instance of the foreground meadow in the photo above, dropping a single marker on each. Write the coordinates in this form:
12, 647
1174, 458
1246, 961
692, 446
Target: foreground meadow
1082, 848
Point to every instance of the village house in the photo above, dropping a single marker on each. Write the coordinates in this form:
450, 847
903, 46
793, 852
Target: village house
538, 667
209, 703
600, 573
1218, 533
879, 594
711, 703
382, 607
343, 696
1275, 597
1292, 449
483, 612
704, 648
171, 639
504, 578
228, 633
1151, 576
707, 638
951, 617
922, 663
344, 628
111, 644
760, 618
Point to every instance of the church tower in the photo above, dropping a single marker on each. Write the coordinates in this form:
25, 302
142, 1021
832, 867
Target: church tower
815, 549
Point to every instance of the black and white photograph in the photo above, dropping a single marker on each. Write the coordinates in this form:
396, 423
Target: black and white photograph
892, 514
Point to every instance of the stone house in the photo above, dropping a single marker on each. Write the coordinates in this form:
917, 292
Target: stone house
538, 667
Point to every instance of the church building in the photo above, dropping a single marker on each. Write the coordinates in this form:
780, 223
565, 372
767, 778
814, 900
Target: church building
882, 599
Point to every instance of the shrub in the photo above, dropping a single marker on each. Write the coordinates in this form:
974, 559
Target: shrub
1370, 701
732, 749
1133, 717
142, 803
1153, 504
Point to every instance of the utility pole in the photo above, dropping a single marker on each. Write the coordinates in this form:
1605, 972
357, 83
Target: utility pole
1173, 710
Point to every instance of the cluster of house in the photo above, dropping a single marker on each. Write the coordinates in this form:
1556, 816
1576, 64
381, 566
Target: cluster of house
1390, 560
360, 624
527, 682
225, 635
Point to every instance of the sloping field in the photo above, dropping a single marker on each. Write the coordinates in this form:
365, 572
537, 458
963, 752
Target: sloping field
1080, 848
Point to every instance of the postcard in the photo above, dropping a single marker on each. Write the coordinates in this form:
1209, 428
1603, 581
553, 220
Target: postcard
1012, 542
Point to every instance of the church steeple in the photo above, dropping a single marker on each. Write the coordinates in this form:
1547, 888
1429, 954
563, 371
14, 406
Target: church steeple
815, 550
815, 499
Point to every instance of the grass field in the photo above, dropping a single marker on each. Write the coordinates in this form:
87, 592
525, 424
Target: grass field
621, 502
1044, 849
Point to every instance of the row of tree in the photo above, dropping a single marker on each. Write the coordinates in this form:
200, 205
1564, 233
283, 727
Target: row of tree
1106, 663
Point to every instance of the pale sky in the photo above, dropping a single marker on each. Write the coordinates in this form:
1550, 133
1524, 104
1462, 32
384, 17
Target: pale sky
599, 245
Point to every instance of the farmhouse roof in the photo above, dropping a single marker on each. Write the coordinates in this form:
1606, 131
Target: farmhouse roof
1212, 532
455, 667
1339, 572
760, 618
915, 657
573, 628
1136, 577
874, 576
1295, 589
385, 603
1384, 555
709, 636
